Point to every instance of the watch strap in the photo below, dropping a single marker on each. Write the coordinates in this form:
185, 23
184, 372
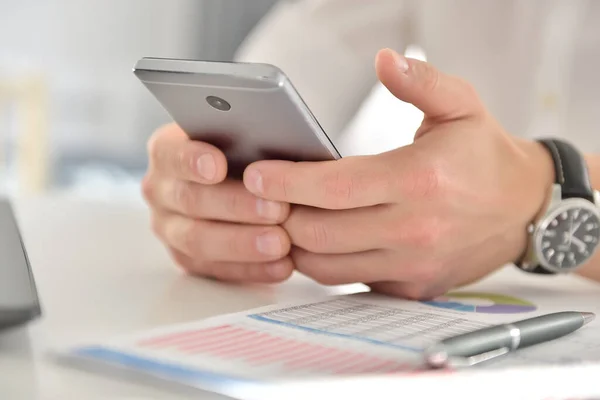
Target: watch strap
570, 169
541, 270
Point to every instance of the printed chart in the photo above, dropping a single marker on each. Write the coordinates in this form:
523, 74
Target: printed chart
345, 335
482, 303
337, 336
259, 349
400, 328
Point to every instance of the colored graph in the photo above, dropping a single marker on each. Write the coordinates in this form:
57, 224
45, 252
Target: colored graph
487, 303
263, 350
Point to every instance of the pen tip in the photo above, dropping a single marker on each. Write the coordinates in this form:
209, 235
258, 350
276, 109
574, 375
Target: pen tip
588, 317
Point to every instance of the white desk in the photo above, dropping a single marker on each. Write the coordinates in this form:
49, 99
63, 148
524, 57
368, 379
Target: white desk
100, 271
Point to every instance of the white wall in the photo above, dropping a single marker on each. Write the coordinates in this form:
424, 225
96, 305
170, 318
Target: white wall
85, 49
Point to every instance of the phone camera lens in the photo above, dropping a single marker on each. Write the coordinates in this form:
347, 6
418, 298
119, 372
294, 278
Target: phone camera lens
218, 103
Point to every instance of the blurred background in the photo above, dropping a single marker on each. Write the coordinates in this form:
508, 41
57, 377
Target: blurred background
73, 119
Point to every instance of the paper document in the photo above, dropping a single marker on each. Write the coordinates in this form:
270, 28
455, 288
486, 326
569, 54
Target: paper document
358, 334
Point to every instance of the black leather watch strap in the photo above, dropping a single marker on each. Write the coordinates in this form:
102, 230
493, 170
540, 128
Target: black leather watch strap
570, 168
541, 270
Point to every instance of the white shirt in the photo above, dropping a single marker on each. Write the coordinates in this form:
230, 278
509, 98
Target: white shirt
535, 63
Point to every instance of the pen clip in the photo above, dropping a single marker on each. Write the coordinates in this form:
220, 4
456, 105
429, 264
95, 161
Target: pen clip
460, 362
438, 357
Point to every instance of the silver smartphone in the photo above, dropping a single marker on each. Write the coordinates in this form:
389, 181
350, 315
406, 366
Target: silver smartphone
250, 111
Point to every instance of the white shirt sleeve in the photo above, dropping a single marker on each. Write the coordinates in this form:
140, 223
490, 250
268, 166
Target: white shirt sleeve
327, 48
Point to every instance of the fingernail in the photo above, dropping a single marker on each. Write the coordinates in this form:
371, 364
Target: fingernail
268, 209
254, 181
400, 61
277, 270
206, 166
269, 244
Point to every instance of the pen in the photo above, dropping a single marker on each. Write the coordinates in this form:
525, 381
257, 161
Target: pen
488, 343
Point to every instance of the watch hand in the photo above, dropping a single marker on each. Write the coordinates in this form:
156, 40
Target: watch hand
566, 241
574, 228
571, 231
579, 243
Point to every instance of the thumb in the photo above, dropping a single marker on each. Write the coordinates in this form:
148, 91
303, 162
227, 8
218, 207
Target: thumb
438, 95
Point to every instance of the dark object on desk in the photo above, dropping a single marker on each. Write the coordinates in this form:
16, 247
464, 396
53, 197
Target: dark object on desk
489, 343
19, 302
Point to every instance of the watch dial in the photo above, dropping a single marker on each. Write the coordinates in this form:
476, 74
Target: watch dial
570, 238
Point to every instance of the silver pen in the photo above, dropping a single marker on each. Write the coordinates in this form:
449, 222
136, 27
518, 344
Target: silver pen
488, 343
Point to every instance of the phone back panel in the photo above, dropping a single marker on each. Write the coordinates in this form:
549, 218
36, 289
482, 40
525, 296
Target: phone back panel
250, 111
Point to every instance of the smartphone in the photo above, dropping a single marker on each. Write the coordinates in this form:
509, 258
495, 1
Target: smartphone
250, 111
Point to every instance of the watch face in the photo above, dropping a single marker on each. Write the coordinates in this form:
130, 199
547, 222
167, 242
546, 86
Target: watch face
569, 236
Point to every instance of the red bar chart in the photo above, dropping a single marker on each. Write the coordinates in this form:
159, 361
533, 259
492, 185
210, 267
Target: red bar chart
263, 349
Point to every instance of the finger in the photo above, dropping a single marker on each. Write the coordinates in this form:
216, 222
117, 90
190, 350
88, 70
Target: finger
269, 272
347, 183
342, 269
227, 201
220, 241
173, 154
383, 227
341, 231
438, 95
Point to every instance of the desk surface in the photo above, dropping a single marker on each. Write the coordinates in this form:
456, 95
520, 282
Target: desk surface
100, 271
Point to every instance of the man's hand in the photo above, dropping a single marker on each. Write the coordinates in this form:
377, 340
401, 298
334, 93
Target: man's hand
213, 227
414, 222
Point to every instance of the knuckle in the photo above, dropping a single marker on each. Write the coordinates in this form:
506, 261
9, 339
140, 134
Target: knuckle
191, 238
312, 268
241, 243
313, 236
425, 182
186, 197
385, 182
182, 162
153, 146
428, 233
431, 78
287, 184
320, 236
148, 188
234, 204
234, 244
420, 233
165, 158
339, 188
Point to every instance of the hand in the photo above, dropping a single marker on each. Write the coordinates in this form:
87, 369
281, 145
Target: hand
212, 227
419, 220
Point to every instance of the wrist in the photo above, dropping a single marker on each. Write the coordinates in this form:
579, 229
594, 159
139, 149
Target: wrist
593, 162
541, 174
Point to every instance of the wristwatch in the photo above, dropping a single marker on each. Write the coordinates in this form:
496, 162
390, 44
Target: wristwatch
566, 234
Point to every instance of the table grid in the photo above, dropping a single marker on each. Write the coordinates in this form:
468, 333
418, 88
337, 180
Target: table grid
373, 323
